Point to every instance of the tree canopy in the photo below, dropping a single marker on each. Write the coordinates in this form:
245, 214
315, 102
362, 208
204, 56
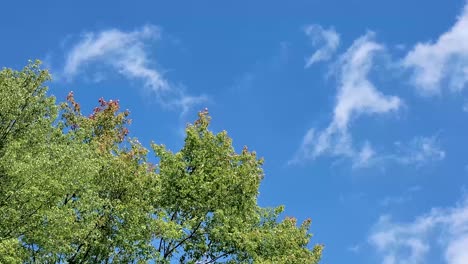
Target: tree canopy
76, 188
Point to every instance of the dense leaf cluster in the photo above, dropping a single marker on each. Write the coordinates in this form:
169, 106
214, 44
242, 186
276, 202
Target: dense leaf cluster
77, 189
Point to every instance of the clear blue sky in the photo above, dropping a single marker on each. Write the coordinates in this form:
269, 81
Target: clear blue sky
359, 107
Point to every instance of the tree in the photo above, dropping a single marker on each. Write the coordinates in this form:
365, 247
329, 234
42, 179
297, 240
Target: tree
78, 189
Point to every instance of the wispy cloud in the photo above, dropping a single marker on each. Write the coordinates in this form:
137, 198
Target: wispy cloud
355, 248
327, 40
365, 156
465, 107
356, 96
419, 151
442, 229
400, 199
127, 53
443, 62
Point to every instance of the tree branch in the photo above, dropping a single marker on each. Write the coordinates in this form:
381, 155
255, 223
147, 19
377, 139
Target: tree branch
166, 254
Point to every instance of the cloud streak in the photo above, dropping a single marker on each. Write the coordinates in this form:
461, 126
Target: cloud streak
400, 199
327, 39
356, 96
443, 62
445, 229
419, 151
127, 54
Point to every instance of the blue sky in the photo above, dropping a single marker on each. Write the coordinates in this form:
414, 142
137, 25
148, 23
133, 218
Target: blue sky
359, 107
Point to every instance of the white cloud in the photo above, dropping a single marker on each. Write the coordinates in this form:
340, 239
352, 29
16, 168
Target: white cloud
457, 251
307, 144
389, 200
364, 156
356, 96
400, 199
126, 52
419, 151
444, 230
465, 106
355, 248
328, 39
445, 60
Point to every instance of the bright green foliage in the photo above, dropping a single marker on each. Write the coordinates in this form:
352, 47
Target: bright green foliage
76, 189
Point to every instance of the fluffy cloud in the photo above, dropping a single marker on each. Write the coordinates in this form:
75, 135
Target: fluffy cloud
409, 243
356, 96
443, 62
126, 53
327, 39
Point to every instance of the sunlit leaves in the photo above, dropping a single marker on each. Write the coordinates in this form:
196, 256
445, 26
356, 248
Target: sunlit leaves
74, 188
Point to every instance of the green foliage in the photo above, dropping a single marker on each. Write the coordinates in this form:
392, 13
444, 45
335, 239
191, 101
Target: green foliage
77, 189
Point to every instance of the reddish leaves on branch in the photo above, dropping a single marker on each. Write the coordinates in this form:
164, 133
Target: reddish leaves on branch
106, 123
71, 100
